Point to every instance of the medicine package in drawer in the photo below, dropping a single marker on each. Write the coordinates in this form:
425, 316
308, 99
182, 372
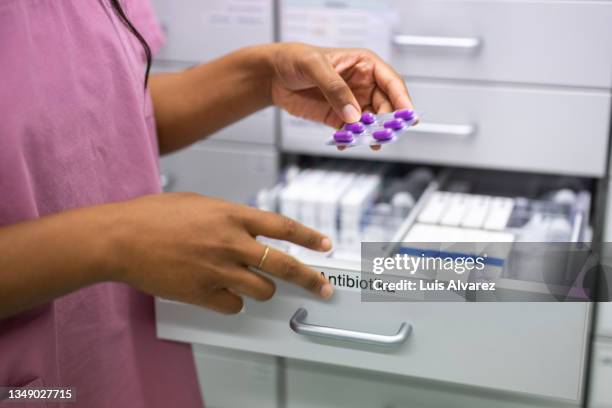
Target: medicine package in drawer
350, 202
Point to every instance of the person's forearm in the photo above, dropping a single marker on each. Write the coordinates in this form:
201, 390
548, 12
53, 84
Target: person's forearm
52, 256
195, 103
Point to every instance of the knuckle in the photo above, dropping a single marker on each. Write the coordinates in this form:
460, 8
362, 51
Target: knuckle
232, 246
226, 241
365, 69
289, 226
312, 240
313, 282
228, 245
368, 52
232, 217
336, 86
207, 288
311, 58
290, 268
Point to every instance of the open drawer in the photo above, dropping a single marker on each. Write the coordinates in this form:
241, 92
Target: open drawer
532, 236
536, 349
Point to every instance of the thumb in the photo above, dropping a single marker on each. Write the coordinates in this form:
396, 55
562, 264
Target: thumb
334, 88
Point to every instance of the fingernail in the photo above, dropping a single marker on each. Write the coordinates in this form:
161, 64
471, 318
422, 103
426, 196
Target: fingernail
326, 244
350, 114
326, 291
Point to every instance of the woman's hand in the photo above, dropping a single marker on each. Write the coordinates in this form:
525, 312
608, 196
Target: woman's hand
327, 85
180, 246
199, 250
334, 86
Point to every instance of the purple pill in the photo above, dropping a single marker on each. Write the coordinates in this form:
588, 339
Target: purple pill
343, 136
356, 127
368, 118
395, 124
405, 114
383, 134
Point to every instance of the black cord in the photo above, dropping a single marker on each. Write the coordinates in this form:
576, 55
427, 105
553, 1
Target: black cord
117, 6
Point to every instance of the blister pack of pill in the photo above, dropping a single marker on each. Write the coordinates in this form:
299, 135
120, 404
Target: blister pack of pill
374, 129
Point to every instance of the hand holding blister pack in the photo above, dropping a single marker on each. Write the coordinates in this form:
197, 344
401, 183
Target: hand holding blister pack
374, 130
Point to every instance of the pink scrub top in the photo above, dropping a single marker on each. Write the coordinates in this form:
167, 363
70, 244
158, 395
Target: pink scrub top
77, 129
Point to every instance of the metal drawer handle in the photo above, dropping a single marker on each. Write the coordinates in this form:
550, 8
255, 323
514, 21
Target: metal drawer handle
297, 325
467, 43
459, 131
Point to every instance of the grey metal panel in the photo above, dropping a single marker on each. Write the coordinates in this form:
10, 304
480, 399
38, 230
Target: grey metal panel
516, 128
232, 171
260, 127
315, 386
199, 30
544, 42
231, 379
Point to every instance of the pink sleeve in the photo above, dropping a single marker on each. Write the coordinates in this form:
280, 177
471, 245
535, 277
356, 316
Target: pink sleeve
143, 17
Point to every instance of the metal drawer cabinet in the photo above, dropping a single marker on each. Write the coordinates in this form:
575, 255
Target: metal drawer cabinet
544, 42
506, 128
534, 349
529, 348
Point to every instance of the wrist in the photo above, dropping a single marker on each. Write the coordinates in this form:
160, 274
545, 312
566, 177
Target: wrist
107, 243
259, 61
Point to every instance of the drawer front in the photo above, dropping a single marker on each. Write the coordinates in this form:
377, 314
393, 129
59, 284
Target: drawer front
561, 132
312, 385
222, 169
532, 348
199, 30
544, 42
253, 377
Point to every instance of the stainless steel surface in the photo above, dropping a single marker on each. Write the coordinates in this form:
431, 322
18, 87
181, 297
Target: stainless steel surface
298, 325
467, 43
458, 131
